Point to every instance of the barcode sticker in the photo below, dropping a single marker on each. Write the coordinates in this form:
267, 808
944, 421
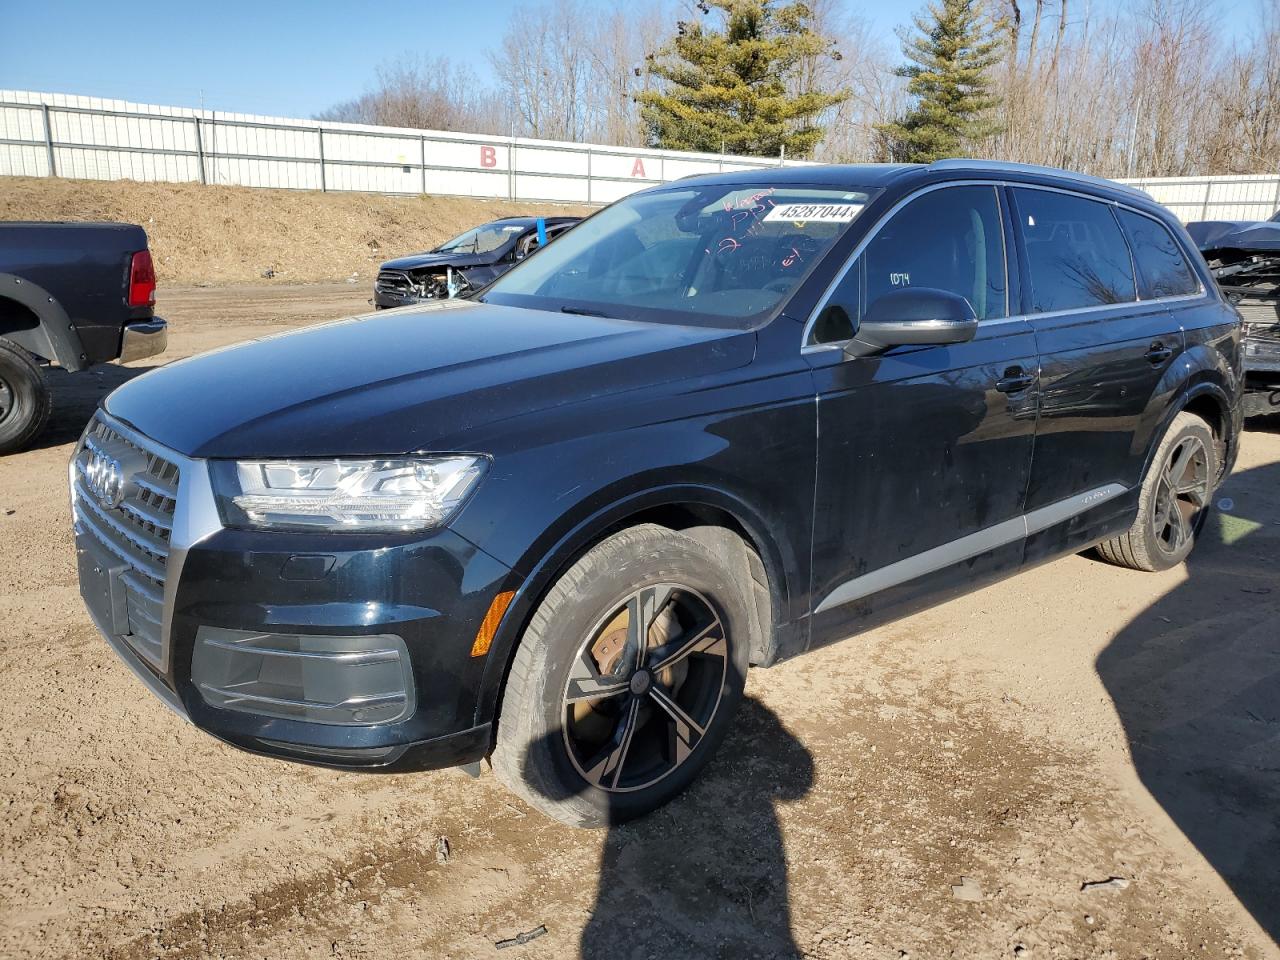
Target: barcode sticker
820, 212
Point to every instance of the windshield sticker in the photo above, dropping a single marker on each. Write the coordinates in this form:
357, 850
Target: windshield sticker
818, 212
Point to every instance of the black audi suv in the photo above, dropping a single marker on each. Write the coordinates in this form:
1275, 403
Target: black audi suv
720, 422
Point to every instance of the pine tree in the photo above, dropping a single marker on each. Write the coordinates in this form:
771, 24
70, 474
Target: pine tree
955, 45
727, 89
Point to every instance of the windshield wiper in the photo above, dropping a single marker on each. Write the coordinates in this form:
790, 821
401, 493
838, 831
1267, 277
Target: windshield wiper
581, 312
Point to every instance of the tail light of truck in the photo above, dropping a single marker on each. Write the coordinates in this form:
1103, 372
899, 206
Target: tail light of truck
142, 280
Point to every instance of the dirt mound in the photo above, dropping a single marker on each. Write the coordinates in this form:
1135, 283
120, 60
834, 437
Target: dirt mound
219, 235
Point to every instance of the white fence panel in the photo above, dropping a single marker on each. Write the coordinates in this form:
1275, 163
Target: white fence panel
44, 134
87, 137
1215, 198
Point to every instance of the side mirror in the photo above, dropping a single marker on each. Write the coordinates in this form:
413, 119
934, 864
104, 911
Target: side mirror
922, 316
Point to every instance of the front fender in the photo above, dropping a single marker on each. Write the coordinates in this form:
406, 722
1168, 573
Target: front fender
55, 338
582, 526
544, 503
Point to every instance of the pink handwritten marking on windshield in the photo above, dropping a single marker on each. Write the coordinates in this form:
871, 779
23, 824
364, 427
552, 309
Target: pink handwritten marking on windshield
728, 243
795, 255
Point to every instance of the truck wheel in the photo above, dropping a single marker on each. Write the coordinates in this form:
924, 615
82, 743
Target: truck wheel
24, 397
1174, 500
625, 681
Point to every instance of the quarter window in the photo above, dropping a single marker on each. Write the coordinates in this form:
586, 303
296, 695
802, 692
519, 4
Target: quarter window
950, 239
1076, 255
1163, 271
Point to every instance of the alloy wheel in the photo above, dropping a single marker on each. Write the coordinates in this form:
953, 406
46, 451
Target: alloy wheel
1181, 495
644, 687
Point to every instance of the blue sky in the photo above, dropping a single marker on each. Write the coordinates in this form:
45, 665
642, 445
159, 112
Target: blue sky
279, 58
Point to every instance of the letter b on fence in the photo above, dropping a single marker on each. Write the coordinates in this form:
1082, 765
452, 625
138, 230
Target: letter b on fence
488, 156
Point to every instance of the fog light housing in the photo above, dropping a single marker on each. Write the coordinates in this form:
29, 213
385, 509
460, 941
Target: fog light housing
345, 681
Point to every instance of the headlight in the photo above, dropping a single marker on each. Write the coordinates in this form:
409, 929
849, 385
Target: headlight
344, 495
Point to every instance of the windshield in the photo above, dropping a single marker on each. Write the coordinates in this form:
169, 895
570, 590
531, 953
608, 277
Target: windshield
484, 239
710, 253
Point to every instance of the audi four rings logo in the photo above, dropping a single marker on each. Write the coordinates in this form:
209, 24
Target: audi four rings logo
105, 477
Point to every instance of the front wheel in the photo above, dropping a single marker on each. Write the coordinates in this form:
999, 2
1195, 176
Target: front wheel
1174, 500
625, 681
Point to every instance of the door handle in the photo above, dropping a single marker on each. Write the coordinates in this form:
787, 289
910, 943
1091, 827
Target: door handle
1014, 380
1159, 353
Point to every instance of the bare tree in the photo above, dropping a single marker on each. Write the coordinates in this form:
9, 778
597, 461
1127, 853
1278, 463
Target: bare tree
1125, 88
430, 94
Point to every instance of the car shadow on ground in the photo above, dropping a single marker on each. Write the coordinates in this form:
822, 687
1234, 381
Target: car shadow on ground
706, 875
76, 396
1196, 682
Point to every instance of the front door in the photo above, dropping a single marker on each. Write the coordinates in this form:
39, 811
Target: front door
923, 452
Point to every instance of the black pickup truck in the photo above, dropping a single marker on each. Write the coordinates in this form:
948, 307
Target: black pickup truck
71, 294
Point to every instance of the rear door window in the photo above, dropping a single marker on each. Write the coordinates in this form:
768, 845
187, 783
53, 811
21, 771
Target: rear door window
1163, 270
1076, 255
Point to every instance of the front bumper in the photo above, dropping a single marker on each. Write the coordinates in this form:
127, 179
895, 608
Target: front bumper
431, 592
144, 338
386, 301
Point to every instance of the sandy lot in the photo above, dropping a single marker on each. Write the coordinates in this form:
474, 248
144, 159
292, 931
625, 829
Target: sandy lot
228, 235
944, 786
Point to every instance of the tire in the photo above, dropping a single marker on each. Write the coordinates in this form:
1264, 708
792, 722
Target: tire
1174, 501
25, 402
561, 744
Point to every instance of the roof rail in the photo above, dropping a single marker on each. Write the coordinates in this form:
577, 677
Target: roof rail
960, 163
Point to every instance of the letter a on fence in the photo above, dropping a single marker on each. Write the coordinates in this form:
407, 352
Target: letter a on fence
637, 169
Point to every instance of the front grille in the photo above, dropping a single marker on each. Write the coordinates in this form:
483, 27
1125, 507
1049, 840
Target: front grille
393, 282
131, 523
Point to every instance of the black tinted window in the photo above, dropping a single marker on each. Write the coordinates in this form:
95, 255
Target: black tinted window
1162, 269
1076, 255
949, 239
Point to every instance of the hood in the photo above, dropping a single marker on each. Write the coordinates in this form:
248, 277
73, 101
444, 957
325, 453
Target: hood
416, 261
1259, 236
397, 381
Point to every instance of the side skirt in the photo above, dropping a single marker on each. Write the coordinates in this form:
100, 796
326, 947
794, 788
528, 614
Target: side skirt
975, 544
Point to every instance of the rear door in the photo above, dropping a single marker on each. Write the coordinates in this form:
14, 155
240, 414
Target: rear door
923, 452
1104, 353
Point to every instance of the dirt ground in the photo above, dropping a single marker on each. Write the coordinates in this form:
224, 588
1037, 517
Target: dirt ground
946, 786
218, 235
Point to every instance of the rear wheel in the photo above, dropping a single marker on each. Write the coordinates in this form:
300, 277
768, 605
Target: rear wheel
1174, 501
626, 679
24, 397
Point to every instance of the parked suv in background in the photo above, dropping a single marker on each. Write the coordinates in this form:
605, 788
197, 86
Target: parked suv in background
465, 263
721, 422
74, 294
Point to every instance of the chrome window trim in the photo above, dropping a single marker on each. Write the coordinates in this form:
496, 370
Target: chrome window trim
810, 348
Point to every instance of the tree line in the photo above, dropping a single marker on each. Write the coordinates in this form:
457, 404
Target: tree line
1135, 89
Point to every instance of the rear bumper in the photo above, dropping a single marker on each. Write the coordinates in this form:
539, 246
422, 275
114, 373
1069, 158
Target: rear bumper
144, 338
